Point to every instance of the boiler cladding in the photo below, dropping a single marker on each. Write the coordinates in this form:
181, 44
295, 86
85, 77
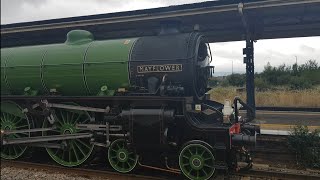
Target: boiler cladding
177, 64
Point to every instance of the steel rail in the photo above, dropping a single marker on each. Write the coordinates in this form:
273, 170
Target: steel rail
297, 113
76, 171
282, 108
271, 138
279, 174
163, 15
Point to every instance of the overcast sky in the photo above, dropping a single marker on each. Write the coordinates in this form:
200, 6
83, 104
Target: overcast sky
274, 51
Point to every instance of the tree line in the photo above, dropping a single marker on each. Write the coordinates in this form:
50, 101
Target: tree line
296, 77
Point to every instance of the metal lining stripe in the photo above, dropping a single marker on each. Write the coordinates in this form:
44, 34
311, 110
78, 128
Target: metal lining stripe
5, 74
41, 72
129, 60
84, 77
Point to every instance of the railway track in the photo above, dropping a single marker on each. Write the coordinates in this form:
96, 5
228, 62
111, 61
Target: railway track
271, 138
279, 173
264, 154
303, 109
85, 172
256, 172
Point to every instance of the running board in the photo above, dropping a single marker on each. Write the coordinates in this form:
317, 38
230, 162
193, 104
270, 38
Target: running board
38, 139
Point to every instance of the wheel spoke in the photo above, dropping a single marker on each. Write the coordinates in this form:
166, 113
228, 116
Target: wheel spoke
193, 161
86, 120
63, 154
204, 172
16, 123
118, 146
207, 165
113, 150
187, 157
121, 158
189, 171
62, 117
16, 136
59, 121
202, 153
19, 127
78, 150
13, 121
71, 118
70, 152
84, 144
21, 149
9, 150
67, 117
5, 116
186, 164
14, 149
55, 153
74, 151
77, 119
123, 145
4, 148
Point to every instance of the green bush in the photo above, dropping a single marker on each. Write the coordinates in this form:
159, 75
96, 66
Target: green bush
237, 80
300, 83
213, 82
296, 77
261, 84
306, 145
224, 83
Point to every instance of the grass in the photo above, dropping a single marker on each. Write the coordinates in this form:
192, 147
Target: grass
286, 98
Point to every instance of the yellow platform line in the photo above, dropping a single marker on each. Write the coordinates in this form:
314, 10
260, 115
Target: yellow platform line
283, 126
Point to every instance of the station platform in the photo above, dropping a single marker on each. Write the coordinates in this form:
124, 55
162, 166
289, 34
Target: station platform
288, 118
282, 122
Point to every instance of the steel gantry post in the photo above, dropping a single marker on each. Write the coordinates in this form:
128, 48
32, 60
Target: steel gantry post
249, 61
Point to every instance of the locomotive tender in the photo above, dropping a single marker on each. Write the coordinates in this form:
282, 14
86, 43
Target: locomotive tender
142, 99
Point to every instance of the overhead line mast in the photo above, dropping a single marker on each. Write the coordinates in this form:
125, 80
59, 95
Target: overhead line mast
248, 59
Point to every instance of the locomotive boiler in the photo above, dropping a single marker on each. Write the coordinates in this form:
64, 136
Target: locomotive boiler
143, 100
168, 65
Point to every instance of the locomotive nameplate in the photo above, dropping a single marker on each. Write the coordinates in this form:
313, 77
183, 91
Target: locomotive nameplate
159, 68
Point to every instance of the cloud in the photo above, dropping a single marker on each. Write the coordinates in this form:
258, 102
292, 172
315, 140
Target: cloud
307, 49
275, 51
13, 11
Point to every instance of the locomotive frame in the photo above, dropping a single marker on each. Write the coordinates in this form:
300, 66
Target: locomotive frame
175, 130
